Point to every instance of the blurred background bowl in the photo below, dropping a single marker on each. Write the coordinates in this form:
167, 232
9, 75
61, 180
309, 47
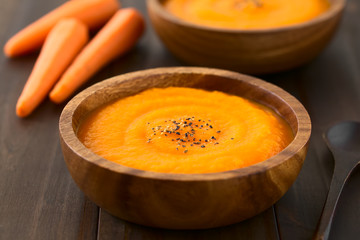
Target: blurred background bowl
257, 51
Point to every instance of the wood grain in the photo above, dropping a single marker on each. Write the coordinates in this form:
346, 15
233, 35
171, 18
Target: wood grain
249, 51
183, 201
115, 228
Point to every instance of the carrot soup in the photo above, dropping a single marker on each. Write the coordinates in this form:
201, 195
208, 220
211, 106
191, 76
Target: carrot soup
185, 130
246, 14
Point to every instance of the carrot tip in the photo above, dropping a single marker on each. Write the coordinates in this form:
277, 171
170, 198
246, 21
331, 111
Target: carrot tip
21, 111
7, 50
55, 97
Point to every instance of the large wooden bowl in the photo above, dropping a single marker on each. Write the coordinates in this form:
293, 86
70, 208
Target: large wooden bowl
183, 201
249, 51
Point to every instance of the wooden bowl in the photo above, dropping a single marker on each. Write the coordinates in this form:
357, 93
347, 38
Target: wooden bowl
249, 51
183, 201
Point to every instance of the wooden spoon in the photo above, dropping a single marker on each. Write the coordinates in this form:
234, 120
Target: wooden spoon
343, 140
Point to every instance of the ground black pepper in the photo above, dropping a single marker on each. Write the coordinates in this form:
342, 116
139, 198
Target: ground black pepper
186, 130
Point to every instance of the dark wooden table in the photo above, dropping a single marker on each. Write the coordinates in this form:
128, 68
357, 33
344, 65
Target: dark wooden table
39, 200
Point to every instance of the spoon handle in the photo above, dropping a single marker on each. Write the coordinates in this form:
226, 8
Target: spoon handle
340, 176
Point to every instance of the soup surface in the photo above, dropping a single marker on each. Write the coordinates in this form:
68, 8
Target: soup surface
185, 130
246, 14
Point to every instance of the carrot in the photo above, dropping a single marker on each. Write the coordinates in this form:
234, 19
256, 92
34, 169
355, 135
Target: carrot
115, 38
94, 13
61, 46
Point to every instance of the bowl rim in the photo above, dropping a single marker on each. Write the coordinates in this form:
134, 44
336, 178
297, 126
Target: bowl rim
335, 8
300, 140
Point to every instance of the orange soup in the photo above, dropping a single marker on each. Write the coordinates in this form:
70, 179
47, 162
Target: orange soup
185, 130
246, 14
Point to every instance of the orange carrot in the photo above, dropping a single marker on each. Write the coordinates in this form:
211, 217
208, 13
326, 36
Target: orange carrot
61, 46
115, 38
94, 13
